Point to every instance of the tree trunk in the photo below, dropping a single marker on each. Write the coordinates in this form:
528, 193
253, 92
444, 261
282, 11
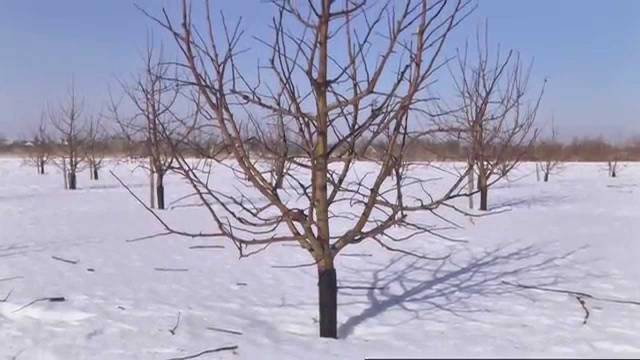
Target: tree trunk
95, 173
41, 166
65, 174
484, 193
160, 190
546, 176
484, 189
328, 299
470, 186
72, 180
152, 197
613, 172
90, 170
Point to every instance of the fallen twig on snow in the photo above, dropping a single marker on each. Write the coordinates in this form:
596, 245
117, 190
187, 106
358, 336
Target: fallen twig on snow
175, 327
170, 269
65, 260
584, 307
224, 348
6, 297
574, 293
234, 332
206, 247
50, 299
12, 278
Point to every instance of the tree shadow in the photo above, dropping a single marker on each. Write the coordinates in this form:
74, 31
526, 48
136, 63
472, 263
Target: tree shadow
419, 287
529, 201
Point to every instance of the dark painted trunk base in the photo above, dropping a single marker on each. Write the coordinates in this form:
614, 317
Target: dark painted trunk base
328, 303
95, 174
72, 181
484, 194
160, 196
546, 177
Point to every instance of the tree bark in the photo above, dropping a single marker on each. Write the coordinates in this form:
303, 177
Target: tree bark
41, 166
160, 190
328, 299
546, 176
613, 172
95, 173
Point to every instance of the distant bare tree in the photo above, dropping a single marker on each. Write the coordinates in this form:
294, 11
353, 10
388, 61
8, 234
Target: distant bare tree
612, 165
153, 97
41, 147
549, 153
494, 111
335, 78
95, 147
71, 130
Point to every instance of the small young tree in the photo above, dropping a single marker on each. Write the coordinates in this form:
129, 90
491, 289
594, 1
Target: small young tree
612, 165
94, 148
41, 147
335, 77
71, 130
549, 154
494, 111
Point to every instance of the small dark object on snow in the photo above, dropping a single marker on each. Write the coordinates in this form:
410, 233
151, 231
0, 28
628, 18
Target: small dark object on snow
65, 260
50, 299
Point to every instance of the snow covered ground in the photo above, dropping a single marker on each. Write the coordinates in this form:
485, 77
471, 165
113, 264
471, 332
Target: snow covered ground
579, 232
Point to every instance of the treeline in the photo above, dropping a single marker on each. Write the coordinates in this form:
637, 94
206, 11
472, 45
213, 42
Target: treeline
578, 149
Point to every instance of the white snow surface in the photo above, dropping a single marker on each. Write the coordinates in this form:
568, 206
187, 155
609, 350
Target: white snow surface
578, 232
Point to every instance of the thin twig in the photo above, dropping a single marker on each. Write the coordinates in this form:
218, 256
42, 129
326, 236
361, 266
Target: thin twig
175, 327
6, 297
584, 307
50, 299
170, 269
574, 293
65, 260
224, 348
12, 278
146, 237
234, 332
206, 247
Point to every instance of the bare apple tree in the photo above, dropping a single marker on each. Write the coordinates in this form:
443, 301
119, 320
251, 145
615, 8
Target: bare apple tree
336, 81
41, 149
153, 97
71, 130
495, 109
95, 147
612, 164
549, 154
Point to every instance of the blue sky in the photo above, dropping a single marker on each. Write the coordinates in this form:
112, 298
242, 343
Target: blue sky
589, 51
